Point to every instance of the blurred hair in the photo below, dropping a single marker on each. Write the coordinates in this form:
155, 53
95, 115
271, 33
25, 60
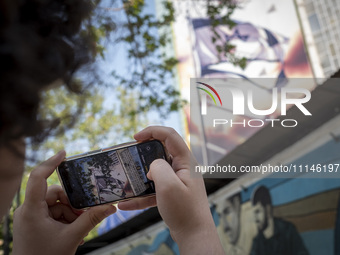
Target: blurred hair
41, 42
261, 195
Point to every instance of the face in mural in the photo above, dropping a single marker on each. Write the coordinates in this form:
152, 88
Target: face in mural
230, 218
260, 214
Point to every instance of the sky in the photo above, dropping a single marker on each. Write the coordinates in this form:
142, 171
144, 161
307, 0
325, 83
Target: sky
116, 59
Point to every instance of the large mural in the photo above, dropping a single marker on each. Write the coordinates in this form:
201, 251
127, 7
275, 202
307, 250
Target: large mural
272, 45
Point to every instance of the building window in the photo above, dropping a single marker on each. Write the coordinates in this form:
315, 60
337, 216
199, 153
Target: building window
321, 47
325, 63
314, 22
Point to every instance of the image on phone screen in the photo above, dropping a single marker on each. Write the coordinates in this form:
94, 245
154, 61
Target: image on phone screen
110, 176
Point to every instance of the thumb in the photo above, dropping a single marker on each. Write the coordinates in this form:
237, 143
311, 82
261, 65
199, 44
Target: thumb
163, 175
90, 218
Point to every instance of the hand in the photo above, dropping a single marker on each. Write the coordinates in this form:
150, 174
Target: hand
45, 223
180, 196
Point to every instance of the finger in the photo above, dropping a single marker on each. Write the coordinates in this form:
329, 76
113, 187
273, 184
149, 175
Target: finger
56, 193
60, 211
137, 203
36, 184
172, 140
90, 218
164, 177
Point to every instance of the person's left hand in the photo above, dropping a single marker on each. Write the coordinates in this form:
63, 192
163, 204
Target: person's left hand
45, 223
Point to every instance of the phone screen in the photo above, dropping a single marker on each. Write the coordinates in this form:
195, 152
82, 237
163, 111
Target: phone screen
110, 176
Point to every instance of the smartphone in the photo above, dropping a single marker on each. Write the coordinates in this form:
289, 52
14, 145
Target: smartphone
110, 175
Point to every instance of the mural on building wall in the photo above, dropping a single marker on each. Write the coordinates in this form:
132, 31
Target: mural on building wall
306, 225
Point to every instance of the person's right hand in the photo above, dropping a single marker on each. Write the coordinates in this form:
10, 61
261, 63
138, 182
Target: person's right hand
180, 196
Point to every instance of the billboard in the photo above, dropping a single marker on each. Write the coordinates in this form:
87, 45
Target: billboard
271, 43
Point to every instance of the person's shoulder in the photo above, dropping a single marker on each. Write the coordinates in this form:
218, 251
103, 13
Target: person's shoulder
258, 237
284, 224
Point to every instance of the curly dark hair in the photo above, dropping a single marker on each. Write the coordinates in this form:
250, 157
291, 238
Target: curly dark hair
41, 42
261, 195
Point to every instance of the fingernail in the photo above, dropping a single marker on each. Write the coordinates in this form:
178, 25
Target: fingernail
140, 131
112, 209
61, 152
57, 154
